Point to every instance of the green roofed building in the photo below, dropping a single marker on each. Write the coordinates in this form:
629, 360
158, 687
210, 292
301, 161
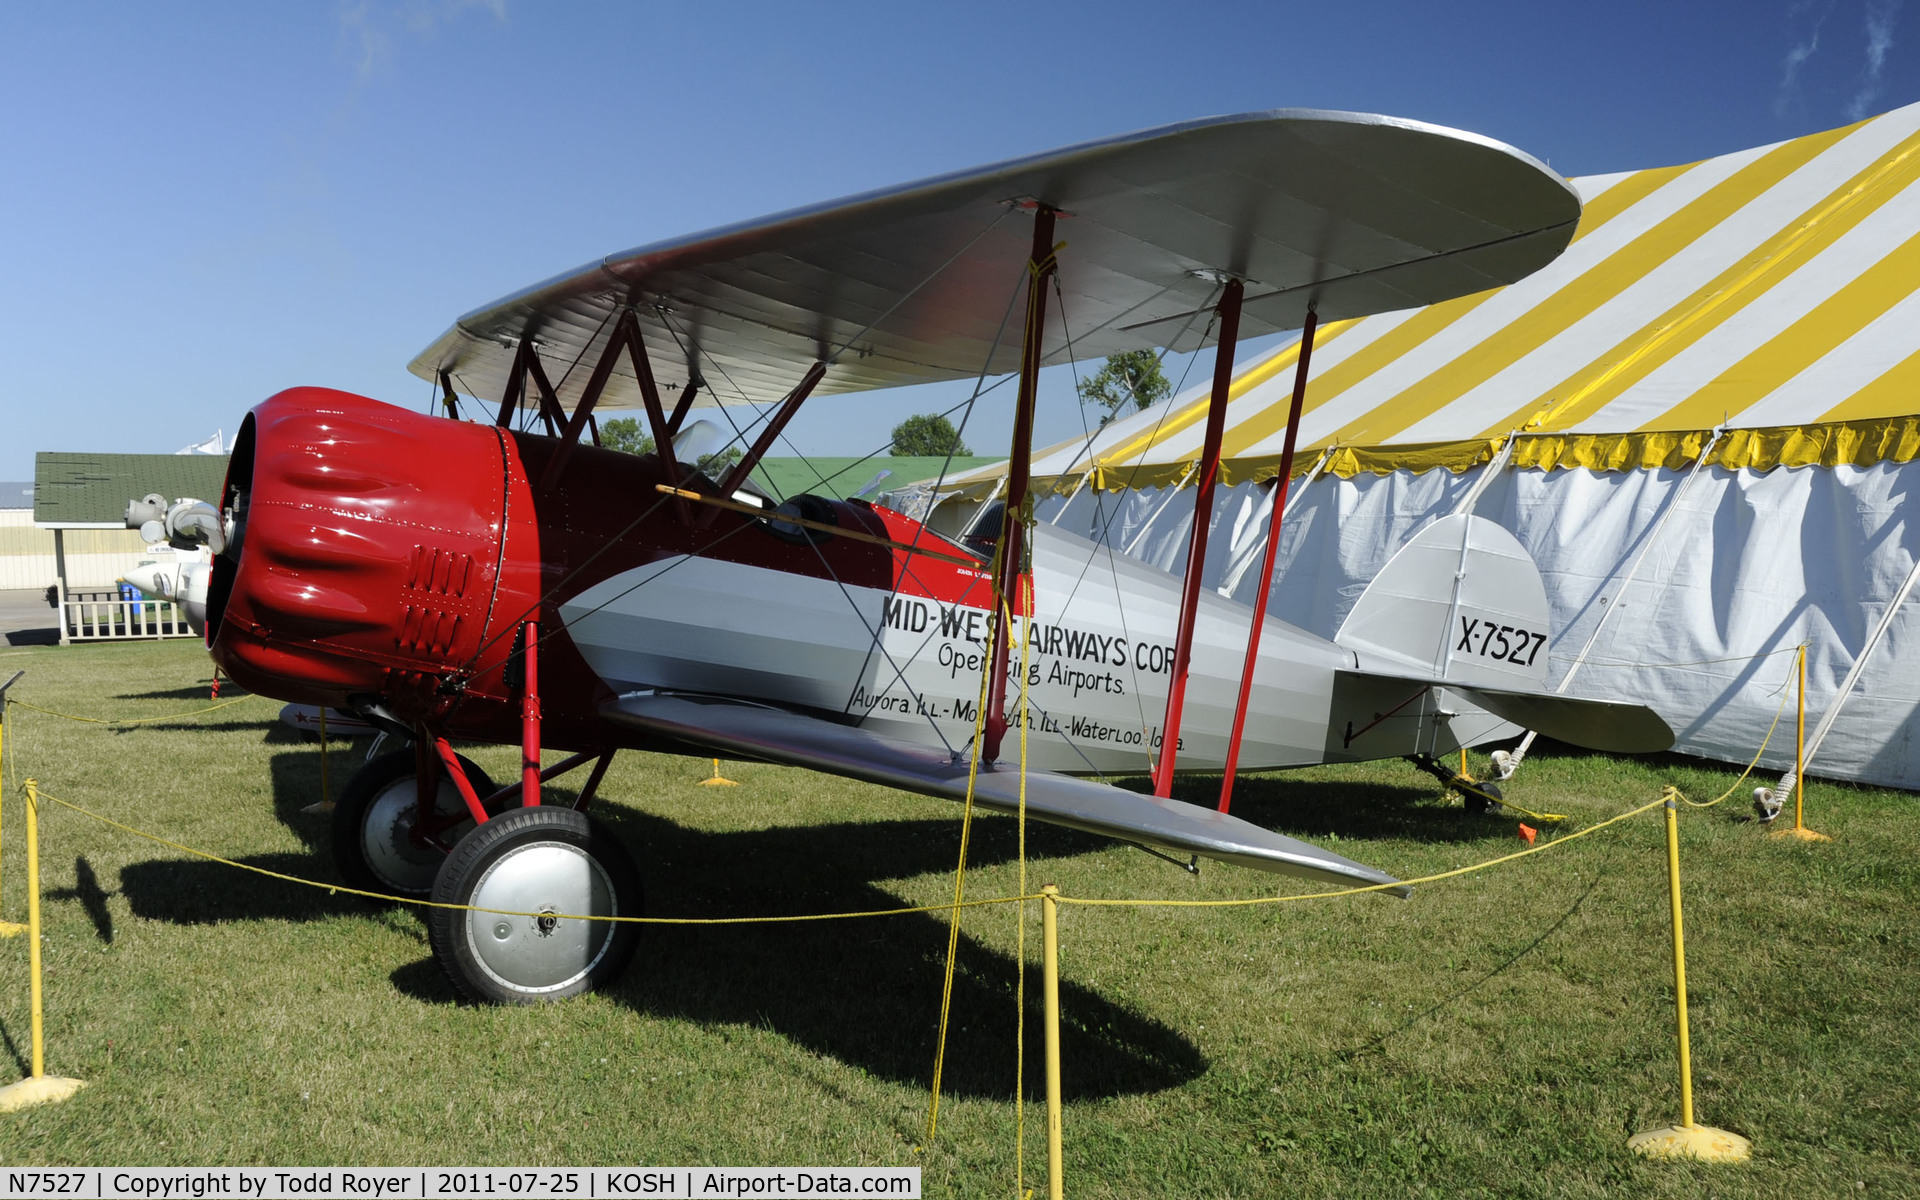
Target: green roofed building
842, 477
78, 532
90, 491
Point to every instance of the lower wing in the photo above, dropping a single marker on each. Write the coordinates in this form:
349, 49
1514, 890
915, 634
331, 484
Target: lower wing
778, 735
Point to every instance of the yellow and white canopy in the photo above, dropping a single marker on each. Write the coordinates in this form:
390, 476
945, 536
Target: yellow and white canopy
1775, 291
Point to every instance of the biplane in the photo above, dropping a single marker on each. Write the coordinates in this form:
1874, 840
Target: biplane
506, 580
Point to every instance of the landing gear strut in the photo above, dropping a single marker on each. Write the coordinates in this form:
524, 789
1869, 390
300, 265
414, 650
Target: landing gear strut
528, 892
379, 845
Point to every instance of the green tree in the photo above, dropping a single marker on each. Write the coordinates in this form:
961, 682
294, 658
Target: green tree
1131, 375
928, 435
624, 434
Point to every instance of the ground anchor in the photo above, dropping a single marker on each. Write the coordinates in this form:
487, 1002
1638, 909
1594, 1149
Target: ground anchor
1698, 1141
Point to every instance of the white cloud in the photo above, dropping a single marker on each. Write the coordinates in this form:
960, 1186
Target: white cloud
369, 26
1880, 16
1812, 16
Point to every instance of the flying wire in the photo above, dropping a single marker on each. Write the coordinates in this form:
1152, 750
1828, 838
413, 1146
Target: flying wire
921, 526
1105, 540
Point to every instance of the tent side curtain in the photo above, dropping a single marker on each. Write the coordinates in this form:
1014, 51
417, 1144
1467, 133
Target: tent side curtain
1751, 564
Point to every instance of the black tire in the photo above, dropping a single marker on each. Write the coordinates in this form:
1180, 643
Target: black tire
534, 860
373, 826
1478, 804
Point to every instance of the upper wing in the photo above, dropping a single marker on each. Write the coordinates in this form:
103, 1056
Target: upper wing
1346, 213
788, 737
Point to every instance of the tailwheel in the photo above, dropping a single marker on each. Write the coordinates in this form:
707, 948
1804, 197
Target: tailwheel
375, 843
557, 864
1480, 797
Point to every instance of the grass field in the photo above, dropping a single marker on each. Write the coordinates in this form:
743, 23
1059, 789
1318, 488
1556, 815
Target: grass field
1498, 1035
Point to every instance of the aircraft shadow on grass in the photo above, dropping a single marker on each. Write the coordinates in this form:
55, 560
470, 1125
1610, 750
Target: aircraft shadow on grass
92, 897
192, 691
1347, 809
272, 732
866, 992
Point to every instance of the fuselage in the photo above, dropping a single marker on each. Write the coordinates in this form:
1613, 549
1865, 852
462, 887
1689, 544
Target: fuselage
392, 559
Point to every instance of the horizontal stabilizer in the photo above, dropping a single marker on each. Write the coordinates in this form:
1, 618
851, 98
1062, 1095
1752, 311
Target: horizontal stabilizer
1605, 725
787, 737
1609, 726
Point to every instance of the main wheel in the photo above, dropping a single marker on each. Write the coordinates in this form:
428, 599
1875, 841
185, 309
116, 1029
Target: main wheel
1477, 804
373, 826
554, 863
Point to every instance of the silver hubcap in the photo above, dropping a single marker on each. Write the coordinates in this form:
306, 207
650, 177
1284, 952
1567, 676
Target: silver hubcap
386, 835
544, 952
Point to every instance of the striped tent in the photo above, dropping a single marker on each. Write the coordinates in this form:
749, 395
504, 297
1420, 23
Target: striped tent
1624, 412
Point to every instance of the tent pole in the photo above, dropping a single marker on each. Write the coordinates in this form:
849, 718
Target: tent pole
1280, 487
1506, 764
1077, 489
1230, 583
1495, 465
1147, 524
1229, 311
1859, 664
1040, 265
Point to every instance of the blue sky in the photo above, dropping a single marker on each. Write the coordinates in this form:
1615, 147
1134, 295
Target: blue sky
202, 204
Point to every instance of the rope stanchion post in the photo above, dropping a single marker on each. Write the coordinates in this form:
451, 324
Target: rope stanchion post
718, 780
1687, 1139
1800, 830
1050, 989
325, 803
326, 792
7, 928
39, 1087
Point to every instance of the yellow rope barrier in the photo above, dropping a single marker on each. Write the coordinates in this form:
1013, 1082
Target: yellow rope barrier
960, 881
134, 720
1750, 766
505, 912
1246, 902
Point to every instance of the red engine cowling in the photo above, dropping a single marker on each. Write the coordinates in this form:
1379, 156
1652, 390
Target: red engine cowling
382, 556
391, 558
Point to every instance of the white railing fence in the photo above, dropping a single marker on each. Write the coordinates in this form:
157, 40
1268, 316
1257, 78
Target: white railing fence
99, 616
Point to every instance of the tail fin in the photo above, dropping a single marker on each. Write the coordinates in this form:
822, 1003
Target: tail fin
1462, 605
1461, 602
